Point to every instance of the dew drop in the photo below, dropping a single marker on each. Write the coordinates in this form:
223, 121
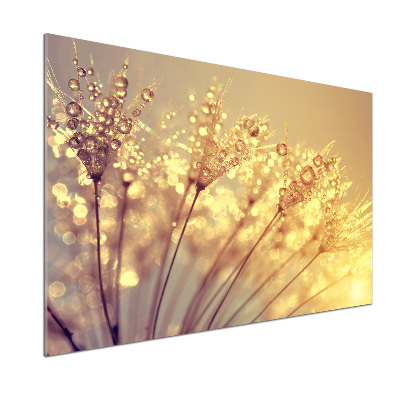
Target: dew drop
83, 125
109, 121
90, 143
198, 164
106, 102
115, 144
318, 160
91, 87
307, 175
120, 93
136, 112
81, 72
73, 124
125, 126
73, 109
147, 95
110, 111
281, 149
254, 131
74, 143
293, 185
75, 61
90, 71
206, 172
73, 84
115, 102
222, 154
240, 146
121, 81
282, 191
102, 118
235, 161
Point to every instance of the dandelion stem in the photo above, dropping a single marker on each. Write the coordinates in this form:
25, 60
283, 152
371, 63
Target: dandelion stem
215, 295
260, 287
242, 266
172, 262
166, 249
209, 275
197, 298
315, 295
119, 262
65, 330
102, 295
275, 297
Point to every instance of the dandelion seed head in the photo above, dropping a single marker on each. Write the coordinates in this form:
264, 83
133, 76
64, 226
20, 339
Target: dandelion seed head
96, 138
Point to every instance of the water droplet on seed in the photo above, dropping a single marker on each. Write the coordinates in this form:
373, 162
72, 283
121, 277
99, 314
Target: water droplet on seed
73, 84
240, 146
73, 124
81, 72
115, 144
120, 93
147, 95
254, 131
121, 81
281, 149
318, 160
307, 175
90, 143
73, 109
206, 172
74, 143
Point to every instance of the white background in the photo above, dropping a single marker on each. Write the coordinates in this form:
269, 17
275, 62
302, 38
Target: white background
349, 354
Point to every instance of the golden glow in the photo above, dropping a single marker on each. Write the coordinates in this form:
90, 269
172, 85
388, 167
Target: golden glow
129, 279
247, 168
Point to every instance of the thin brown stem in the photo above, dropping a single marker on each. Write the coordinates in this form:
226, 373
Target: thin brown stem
193, 324
166, 251
68, 334
102, 295
172, 262
119, 263
260, 287
190, 325
316, 294
242, 267
275, 297
197, 298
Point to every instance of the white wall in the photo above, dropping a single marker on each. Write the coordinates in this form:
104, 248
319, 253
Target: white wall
349, 354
